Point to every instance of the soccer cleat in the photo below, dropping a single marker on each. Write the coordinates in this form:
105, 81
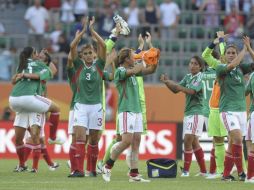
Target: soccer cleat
138, 179
242, 176
33, 170
54, 166
58, 140
251, 180
214, 176
106, 174
99, 167
20, 169
185, 174
228, 178
125, 29
201, 174
76, 174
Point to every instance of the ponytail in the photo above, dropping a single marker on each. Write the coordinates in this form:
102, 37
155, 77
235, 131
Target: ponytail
122, 55
23, 56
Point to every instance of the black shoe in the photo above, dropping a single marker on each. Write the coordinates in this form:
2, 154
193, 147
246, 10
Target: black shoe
242, 176
76, 174
228, 178
20, 169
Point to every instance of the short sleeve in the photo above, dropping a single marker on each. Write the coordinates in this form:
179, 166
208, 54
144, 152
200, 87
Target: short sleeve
221, 70
183, 82
45, 74
120, 74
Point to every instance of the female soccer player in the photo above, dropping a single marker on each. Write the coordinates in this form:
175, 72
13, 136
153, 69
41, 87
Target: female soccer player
193, 120
232, 105
88, 112
129, 111
250, 127
24, 99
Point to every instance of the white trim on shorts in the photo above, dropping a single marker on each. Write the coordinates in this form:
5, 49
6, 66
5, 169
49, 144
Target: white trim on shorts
234, 120
26, 120
130, 122
88, 116
193, 125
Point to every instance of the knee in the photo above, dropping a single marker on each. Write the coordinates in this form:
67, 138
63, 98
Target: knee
19, 141
237, 140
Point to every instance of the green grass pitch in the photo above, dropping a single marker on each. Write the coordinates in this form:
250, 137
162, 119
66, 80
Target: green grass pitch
57, 180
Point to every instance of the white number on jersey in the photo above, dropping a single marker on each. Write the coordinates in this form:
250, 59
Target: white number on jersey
88, 76
206, 87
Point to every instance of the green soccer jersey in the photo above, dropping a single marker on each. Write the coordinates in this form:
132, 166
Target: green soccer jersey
25, 87
128, 92
232, 87
193, 103
250, 89
208, 78
89, 90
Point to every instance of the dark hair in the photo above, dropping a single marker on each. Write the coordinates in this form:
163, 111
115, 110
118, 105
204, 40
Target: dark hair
23, 56
48, 58
200, 61
122, 55
215, 54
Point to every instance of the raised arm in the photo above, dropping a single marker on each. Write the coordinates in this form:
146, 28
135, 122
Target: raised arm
100, 42
134, 70
247, 42
207, 53
76, 40
237, 60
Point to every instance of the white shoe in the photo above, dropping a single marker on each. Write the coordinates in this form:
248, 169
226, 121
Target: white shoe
185, 174
125, 28
99, 167
87, 173
202, 174
58, 140
214, 176
106, 174
251, 180
54, 167
138, 179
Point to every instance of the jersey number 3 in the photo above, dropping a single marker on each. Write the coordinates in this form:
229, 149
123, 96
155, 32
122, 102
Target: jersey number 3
88, 76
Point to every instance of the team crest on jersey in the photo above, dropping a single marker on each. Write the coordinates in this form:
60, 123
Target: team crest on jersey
93, 69
195, 83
